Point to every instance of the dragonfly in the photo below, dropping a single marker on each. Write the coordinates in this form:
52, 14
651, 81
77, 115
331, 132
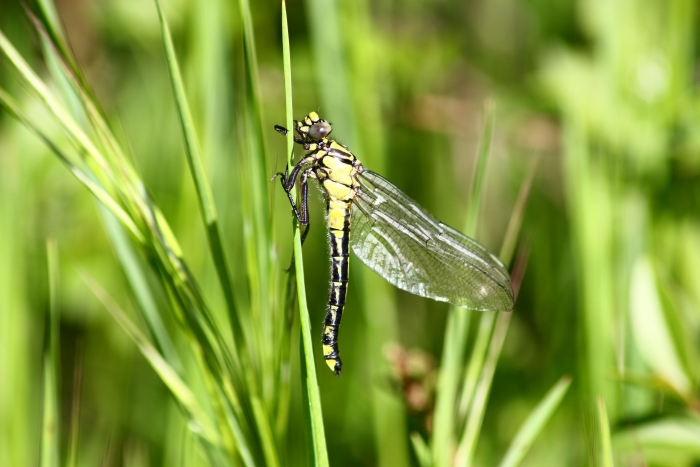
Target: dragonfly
389, 232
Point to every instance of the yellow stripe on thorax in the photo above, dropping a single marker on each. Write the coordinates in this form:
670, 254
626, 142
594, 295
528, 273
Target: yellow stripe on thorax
338, 171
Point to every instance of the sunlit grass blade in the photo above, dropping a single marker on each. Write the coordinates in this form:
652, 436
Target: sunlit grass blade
263, 271
510, 239
288, 99
606, 455
477, 189
51, 433
352, 88
287, 332
650, 329
534, 423
52, 20
72, 457
592, 208
267, 439
54, 51
266, 436
670, 441
421, 450
312, 397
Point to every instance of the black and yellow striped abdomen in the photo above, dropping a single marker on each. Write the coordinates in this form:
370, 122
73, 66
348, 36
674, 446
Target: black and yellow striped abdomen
336, 172
338, 238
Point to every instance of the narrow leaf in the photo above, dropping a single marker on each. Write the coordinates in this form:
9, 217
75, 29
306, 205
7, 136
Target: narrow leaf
606, 455
194, 160
650, 329
535, 423
314, 414
50, 436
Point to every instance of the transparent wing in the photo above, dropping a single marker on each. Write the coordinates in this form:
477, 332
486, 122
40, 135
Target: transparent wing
407, 246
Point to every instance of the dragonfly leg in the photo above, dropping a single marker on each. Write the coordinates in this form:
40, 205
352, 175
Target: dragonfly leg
289, 179
303, 214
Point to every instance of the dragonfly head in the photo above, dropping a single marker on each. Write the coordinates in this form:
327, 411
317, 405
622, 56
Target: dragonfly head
312, 128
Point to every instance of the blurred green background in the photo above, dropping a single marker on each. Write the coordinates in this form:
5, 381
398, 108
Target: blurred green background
598, 97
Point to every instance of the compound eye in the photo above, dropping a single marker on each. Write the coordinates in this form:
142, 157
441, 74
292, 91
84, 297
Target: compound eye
320, 130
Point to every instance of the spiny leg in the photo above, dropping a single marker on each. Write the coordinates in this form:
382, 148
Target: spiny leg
303, 215
288, 181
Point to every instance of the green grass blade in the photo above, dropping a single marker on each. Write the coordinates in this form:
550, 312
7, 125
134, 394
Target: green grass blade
510, 239
668, 441
477, 189
482, 365
421, 449
20, 386
534, 423
194, 160
51, 434
264, 273
452, 364
473, 374
312, 396
72, 457
194, 157
56, 57
52, 20
287, 70
287, 330
650, 329
606, 455
467, 447
268, 441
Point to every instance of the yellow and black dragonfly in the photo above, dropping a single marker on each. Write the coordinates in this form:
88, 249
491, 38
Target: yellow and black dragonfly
389, 232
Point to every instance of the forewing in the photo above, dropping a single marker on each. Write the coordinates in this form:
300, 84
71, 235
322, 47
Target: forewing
407, 246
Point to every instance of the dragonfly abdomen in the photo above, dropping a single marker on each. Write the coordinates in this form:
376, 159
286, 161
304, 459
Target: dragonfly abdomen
338, 238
